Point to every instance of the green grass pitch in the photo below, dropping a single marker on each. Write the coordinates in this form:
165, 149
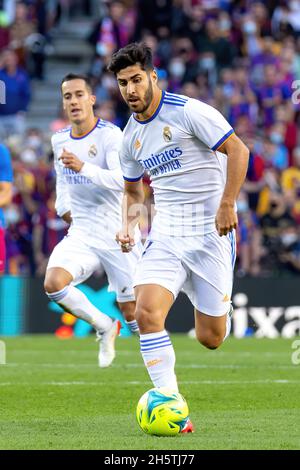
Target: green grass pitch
244, 395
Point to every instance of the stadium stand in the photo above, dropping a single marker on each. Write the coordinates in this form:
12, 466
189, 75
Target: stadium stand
241, 57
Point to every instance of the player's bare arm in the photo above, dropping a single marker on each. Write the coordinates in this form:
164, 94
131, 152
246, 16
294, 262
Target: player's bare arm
71, 161
237, 164
5, 193
133, 196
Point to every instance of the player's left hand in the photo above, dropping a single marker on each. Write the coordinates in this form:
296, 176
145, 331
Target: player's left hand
125, 241
226, 219
71, 161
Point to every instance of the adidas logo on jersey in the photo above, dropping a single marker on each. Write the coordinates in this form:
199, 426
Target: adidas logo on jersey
137, 144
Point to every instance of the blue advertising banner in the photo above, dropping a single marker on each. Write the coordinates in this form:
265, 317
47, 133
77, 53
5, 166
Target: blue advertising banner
263, 308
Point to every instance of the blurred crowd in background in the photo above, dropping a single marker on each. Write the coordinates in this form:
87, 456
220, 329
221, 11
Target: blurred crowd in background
242, 57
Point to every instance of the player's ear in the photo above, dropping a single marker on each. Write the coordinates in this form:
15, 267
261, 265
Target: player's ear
93, 99
154, 75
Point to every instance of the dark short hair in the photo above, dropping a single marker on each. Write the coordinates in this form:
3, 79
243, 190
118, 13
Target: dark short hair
75, 76
132, 54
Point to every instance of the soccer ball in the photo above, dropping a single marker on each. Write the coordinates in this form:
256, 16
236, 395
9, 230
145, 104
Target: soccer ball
162, 412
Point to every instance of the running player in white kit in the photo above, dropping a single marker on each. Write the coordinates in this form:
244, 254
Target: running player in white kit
89, 197
197, 166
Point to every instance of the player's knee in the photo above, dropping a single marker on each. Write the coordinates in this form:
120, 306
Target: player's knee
148, 320
209, 339
53, 284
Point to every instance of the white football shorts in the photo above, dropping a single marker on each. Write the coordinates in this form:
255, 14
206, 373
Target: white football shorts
204, 273
81, 260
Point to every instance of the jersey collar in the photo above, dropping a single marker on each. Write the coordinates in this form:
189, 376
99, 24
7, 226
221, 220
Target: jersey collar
86, 134
155, 112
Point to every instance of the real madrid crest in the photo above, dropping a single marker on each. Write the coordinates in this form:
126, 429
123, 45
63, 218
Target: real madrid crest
92, 151
167, 135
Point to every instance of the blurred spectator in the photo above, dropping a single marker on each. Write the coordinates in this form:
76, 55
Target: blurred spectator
48, 231
34, 182
285, 114
267, 55
5, 21
261, 17
216, 51
106, 110
255, 181
270, 95
277, 153
17, 90
28, 41
272, 186
273, 224
6, 177
162, 49
60, 122
282, 19
242, 99
291, 185
249, 241
154, 16
114, 30
183, 67
21, 28
188, 19
289, 254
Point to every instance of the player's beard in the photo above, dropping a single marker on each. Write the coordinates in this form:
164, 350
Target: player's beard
148, 97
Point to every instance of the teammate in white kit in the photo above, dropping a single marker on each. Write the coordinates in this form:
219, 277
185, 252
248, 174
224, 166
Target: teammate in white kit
197, 166
89, 197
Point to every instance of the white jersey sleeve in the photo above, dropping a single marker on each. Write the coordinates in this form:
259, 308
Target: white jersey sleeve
132, 169
113, 146
62, 203
111, 178
206, 123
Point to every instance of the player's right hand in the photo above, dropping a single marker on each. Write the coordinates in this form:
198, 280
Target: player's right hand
226, 219
71, 161
67, 217
125, 241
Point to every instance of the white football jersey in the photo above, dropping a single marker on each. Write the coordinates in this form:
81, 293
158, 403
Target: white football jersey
94, 195
177, 146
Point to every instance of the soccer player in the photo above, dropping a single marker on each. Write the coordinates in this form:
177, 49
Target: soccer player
197, 166
89, 197
6, 177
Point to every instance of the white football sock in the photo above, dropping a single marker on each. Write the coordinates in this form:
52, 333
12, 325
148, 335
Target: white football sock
159, 358
133, 325
75, 302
